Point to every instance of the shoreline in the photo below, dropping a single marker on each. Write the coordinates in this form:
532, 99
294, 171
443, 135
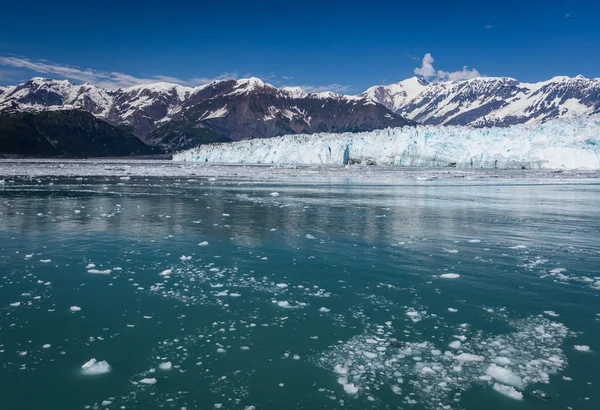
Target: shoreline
36, 168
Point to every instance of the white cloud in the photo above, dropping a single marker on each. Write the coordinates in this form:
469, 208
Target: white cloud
100, 78
336, 88
429, 72
426, 70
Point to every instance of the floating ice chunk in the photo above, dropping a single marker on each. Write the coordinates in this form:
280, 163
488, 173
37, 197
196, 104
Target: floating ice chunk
455, 345
502, 360
504, 375
45, 260
468, 357
281, 285
90, 266
518, 247
350, 388
508, 391
283, 303
296, 357
185, 258
324, 310
309, 236
203, 243
582, 348
75, 308
370, 355
165, 366
93, 367
551, 313
166, 272
474, 240
451, 250
449, 275
106, 403
452, 310
148, 380
275, 194
46, 346
100, 272
15, 304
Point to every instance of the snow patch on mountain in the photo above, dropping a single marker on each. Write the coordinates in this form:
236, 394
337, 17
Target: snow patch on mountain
489, 101
557, 144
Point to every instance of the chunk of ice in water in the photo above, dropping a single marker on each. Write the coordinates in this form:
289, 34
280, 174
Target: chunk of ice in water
75, 308
99, 272
449, 275
203, 243
15, 304
165, 366
508, 391
504, 375
468, 357
455, 345
274, 194
93, 367
324, 309
148, 380
551, 313
350, 388
582, 348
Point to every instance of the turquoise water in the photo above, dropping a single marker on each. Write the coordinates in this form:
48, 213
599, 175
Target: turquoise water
348, 294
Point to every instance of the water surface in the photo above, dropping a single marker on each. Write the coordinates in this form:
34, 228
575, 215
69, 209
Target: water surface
294, 295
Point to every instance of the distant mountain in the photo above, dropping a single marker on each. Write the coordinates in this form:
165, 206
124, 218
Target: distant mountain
66, 133
173, 117
250, 108
489, 101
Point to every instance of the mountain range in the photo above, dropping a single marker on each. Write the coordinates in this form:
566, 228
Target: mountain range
170, 117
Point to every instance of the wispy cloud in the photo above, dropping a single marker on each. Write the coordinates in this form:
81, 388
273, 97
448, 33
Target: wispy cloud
336, 88
106, 79
429, 72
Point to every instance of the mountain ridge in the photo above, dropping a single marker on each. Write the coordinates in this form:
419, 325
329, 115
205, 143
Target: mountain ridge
173, 117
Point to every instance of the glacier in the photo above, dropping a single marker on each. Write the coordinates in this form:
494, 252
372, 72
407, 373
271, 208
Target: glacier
572, 143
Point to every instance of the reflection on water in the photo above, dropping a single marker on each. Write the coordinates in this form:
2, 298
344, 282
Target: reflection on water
326, 295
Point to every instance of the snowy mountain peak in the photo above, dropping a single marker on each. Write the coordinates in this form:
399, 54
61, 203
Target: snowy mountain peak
489, 101
247, 85
295, 92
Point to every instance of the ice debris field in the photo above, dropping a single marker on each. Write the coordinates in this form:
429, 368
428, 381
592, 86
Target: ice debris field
241, 294
572, 143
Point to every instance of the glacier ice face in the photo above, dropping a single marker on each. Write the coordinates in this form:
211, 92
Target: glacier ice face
558, 144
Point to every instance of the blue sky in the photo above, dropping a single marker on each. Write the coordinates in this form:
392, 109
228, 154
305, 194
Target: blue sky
344, 46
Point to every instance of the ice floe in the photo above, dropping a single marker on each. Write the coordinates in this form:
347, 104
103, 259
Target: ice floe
94, 367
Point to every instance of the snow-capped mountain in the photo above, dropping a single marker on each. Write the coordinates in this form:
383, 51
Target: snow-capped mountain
250, 108
173, 117
489, 101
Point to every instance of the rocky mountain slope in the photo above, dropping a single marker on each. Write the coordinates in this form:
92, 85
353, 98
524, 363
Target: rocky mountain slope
489, 101
66, 133
173, 117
